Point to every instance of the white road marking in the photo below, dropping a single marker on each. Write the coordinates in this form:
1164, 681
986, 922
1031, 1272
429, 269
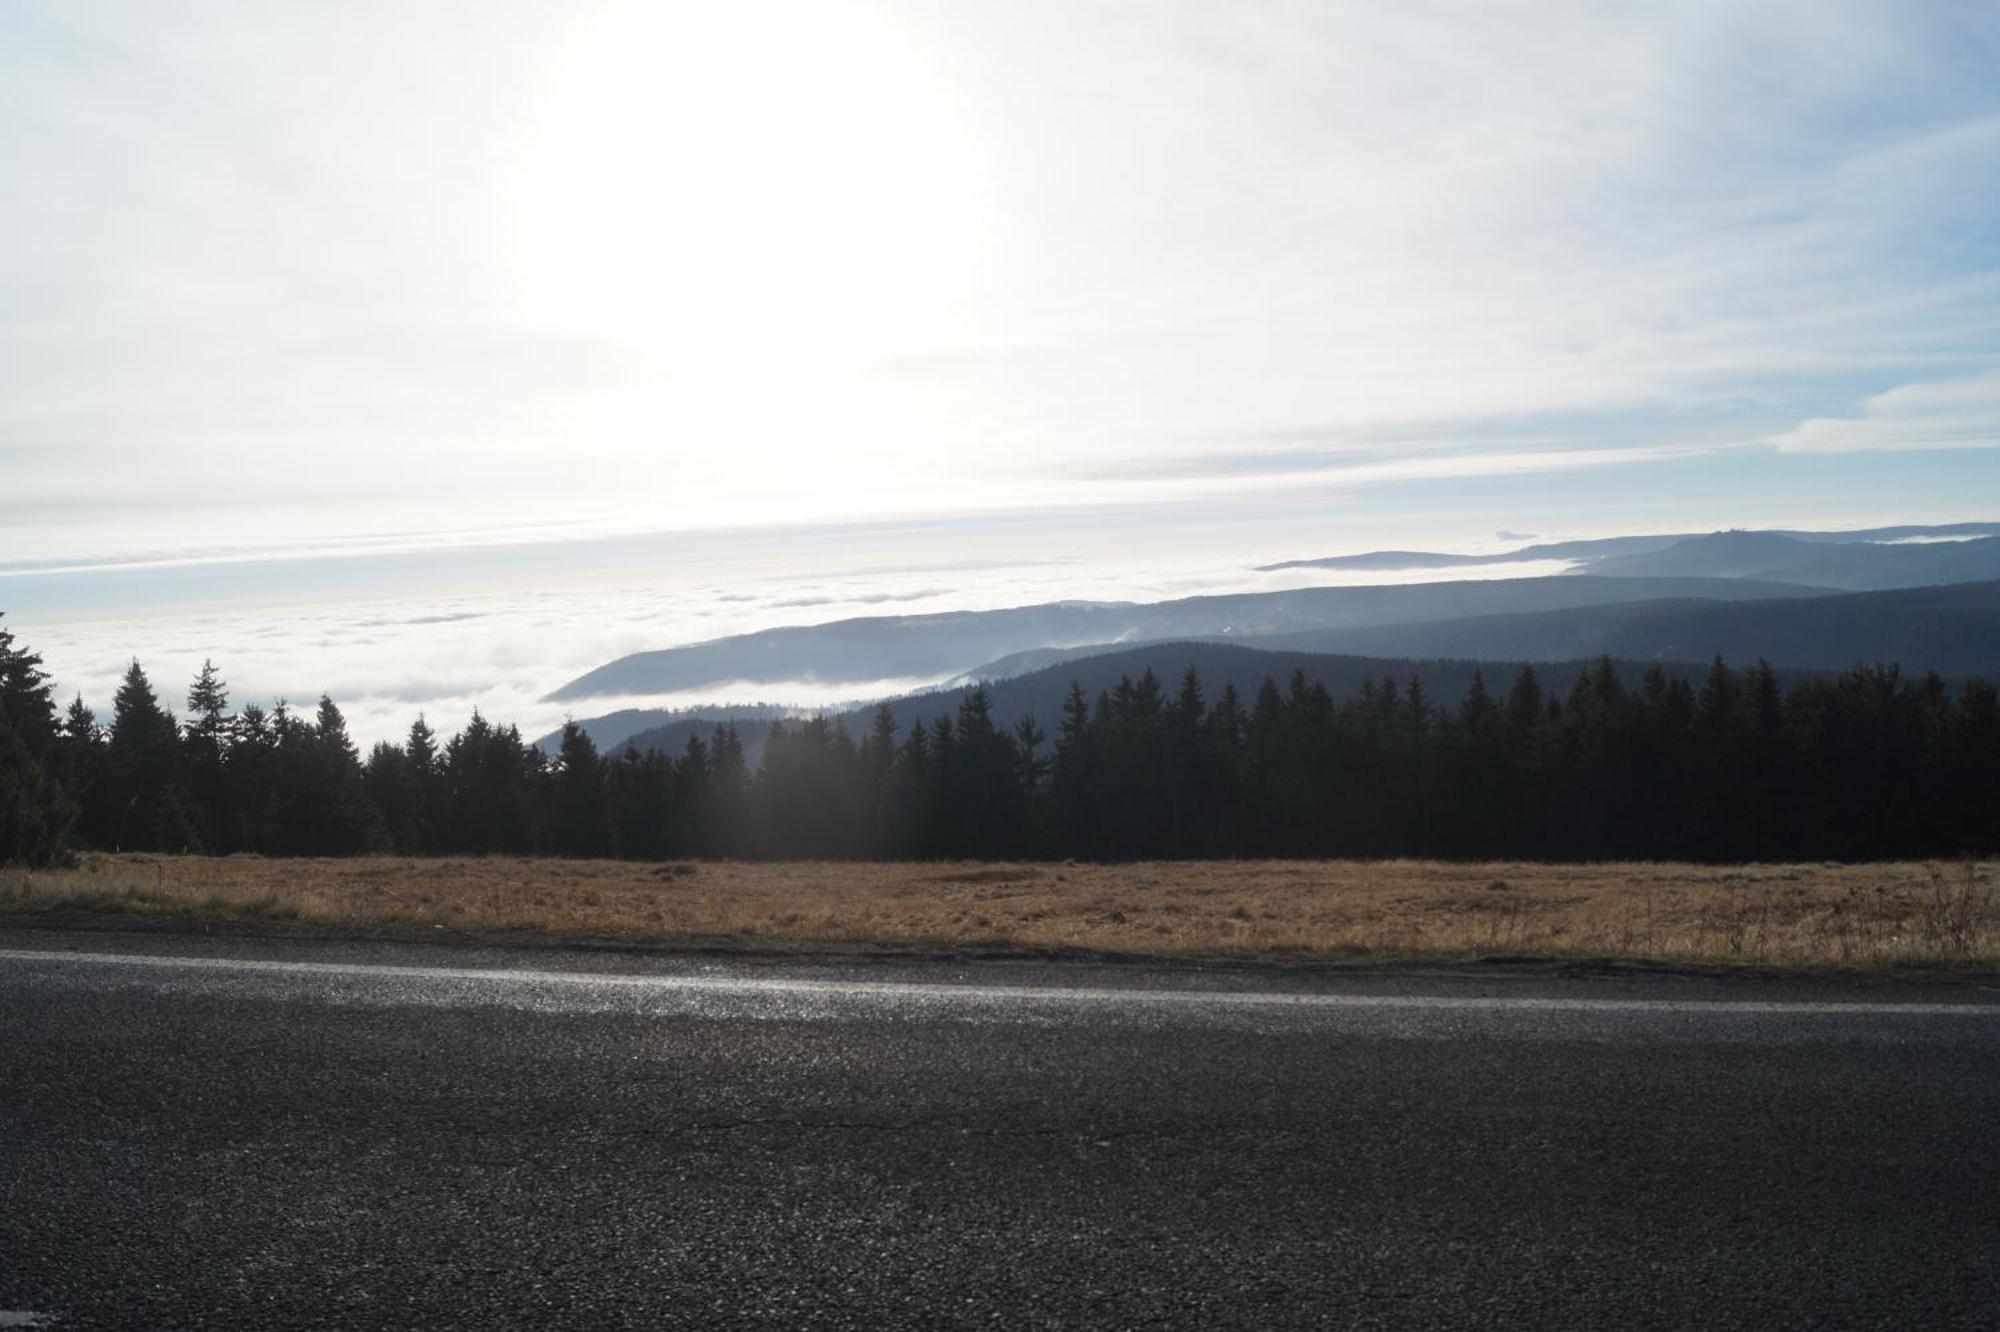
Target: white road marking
1060, 994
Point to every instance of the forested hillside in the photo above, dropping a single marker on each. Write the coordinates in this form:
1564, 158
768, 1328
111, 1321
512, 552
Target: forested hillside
874, 648
1040, 690
1220, 666
1733, 766
1857, 566
1954, 630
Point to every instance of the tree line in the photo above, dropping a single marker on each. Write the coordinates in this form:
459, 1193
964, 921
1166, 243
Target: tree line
1869, 764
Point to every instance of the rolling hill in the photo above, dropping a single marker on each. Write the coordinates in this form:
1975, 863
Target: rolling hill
875, 648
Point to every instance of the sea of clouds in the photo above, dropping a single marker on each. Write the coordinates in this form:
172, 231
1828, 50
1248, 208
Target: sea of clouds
500, 633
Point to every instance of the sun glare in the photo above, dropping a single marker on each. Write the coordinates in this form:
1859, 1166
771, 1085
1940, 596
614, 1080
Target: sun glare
751, 183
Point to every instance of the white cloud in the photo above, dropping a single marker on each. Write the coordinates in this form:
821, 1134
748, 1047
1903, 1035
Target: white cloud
1959, 413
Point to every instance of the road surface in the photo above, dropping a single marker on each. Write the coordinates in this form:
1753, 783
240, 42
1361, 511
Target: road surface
236, 1134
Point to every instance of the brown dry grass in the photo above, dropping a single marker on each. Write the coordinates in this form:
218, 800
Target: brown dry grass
1841, 916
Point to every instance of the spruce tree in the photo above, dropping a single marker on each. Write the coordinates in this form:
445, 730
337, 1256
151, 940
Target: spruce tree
35, 813
726, 824
27, 701
204, 749
386, 776
331, 808
1524, 701
426, 786
638, 803
252, 773
1073, 779
82, 747
691, 805
877, 764
36, 809
580, 826
144, 771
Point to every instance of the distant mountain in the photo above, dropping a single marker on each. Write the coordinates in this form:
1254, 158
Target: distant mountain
1035, 659
1427, 559
611, 730
877, 648
1858, 566
1771, 555
1953, 629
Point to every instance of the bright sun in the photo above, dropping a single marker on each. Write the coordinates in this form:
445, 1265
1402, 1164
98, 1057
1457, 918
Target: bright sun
754, 182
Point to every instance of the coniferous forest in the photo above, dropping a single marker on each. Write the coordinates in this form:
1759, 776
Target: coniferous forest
1870, 764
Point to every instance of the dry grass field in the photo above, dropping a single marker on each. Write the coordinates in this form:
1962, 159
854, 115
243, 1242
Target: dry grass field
1833, 916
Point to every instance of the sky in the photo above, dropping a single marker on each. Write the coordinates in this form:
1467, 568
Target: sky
430, 354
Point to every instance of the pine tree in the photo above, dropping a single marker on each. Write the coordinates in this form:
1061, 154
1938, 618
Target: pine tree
208, 700
1766, 781
1029, 836
352, 824
421, 764
1224, 764
144, 771
726, 820
386, 776
404, 783
1186, 787
580, 828
877, 765
984, 803
204, 750
1524, 701
1721, 816
474, 781
1073, 779
914, 781
27, 701
1971, 764
638, 804
252, 776
82, 748
692, 806
36, 811
322, 807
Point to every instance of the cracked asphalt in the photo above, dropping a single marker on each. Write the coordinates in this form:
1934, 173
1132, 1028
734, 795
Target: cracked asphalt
210, 1133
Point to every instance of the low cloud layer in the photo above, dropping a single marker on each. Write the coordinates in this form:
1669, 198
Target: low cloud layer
502, 646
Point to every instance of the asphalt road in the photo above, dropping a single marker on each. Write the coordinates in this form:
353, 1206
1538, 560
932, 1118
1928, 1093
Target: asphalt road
215, 1134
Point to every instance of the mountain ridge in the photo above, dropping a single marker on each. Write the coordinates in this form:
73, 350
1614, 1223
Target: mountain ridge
1630, 554
863, 649
1953, 629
